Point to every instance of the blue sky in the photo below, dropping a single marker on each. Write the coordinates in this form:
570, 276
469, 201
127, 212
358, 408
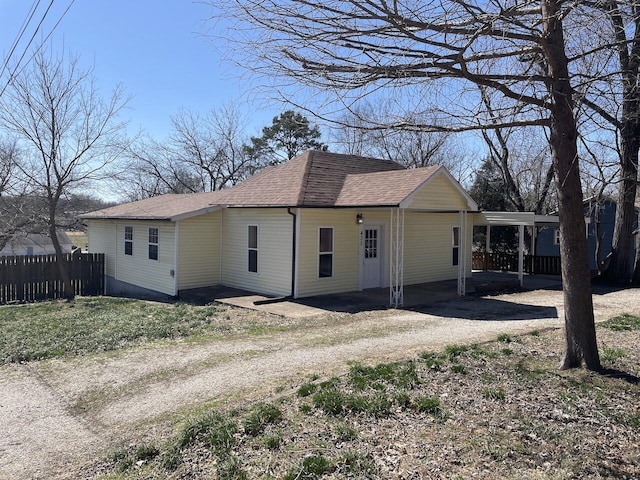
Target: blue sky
155, 49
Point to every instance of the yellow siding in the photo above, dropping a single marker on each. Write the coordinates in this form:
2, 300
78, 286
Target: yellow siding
199, 251
438, 194
137, 268
345, 252
275, 231
102, 239
428, 247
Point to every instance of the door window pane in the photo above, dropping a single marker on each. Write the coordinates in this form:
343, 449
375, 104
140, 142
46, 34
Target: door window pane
371, 243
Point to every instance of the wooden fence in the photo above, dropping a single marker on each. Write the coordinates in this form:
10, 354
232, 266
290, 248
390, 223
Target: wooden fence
506, 262
31, 278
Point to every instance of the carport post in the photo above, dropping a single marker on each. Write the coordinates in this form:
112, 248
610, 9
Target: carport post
488, 240
521, 254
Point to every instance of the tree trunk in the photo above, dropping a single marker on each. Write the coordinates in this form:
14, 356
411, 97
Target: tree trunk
619, 270
628, 48
69, 292
636, 267
580, 330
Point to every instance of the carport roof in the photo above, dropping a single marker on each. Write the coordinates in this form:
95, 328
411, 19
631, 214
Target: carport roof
528, 219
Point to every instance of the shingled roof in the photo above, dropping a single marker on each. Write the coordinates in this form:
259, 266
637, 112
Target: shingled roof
313, 179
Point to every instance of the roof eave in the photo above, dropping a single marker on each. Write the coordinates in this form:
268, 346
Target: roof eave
196, 213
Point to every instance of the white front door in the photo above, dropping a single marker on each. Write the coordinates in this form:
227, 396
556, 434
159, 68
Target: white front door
371, 253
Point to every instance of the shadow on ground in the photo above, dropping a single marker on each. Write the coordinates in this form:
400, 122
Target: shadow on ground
487, 309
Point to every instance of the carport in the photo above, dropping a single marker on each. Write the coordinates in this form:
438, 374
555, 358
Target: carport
517, 219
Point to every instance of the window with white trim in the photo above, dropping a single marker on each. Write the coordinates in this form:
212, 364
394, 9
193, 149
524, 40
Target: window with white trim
153, 243
455, 242
325, 252
556, 236
252, 247
128, 240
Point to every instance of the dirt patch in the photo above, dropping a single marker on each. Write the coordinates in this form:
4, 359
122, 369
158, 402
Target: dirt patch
61, 414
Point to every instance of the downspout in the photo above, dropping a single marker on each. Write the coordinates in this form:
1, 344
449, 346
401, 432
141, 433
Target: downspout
176, 252
294, 241
293, 265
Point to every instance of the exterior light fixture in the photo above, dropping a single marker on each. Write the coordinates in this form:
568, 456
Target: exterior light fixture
359, 219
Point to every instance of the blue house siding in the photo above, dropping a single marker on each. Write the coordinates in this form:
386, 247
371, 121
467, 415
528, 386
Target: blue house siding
546, 238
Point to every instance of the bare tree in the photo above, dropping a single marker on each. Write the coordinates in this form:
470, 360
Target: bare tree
67, 134
526, 170
203, 153
364, 131
513, 49
615, 100
11, 221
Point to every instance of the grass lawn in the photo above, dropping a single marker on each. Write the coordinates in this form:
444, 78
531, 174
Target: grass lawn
496, 410
97, 324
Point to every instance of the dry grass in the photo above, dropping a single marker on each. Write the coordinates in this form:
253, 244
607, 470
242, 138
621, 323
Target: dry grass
497, 410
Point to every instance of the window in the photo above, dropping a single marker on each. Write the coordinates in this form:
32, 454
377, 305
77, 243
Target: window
252, 244
153, 244
325, 252
556, 236
371, 243
455, 241
128, 240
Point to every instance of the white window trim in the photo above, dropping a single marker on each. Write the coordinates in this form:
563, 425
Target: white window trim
257, 248
556, 236
157, 243
332, 252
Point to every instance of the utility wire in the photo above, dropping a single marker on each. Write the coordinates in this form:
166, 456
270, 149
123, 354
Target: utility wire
23, 29
15, 70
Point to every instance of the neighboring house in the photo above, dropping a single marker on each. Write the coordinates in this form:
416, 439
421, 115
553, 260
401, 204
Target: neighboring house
320, 223
600, 219
35, 244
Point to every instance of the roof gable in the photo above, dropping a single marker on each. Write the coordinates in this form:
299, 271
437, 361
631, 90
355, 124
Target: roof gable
439, 191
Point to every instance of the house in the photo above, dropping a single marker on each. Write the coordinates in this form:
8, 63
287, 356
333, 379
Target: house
320, 223
35, 244
600, 219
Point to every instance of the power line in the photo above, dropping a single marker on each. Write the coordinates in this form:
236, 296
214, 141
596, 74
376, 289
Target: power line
15, 70
22, 30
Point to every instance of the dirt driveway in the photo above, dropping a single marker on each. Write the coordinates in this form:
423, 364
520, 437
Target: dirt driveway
58, 416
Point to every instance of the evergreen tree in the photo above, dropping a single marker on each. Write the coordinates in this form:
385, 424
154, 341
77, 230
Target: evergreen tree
491, 194
290, 134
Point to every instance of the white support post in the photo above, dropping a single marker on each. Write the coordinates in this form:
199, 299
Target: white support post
396, 258
521, 254
462, 255
488, 245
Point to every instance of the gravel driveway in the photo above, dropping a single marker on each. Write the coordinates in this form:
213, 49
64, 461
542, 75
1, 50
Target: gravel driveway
59, 415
